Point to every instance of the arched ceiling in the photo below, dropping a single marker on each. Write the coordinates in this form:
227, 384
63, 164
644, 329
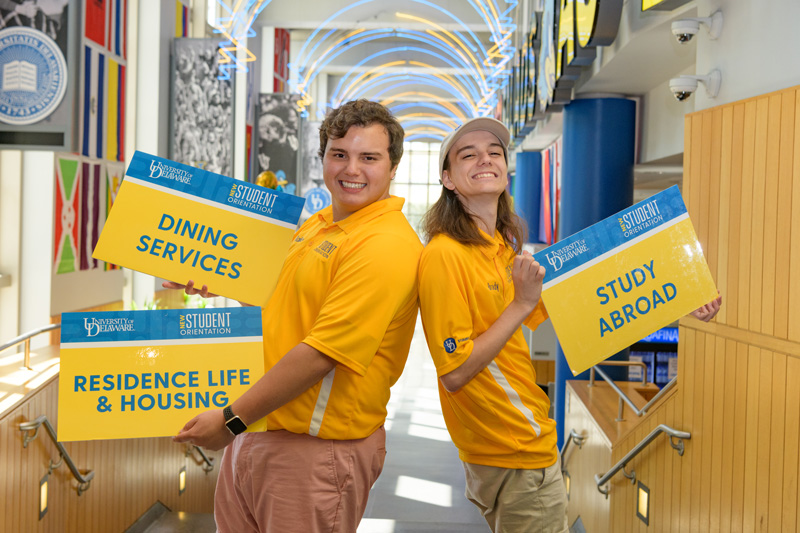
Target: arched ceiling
435, 63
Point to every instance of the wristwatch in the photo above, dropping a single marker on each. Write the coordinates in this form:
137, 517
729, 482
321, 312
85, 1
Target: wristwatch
233, 422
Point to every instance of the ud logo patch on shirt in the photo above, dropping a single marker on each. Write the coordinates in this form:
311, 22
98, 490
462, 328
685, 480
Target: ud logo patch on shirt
33, 76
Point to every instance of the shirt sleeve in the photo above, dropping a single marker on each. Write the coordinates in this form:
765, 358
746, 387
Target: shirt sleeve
375, 281
537, 316
444, 294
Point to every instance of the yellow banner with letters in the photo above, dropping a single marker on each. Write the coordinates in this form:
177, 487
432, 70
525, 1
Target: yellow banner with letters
617, 281
133, 374
182, 223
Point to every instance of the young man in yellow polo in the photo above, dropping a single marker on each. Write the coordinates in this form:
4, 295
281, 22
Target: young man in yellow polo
336, 336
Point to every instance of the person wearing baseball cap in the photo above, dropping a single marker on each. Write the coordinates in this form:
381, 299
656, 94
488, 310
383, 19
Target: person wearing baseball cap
477, 288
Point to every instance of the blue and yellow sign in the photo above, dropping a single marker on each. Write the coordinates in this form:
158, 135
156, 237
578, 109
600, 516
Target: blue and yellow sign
621, 279
179, 223
128, 374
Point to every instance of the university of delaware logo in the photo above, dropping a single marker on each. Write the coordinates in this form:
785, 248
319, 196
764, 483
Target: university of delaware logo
562, 255
160, 170
450, 345
33, 76
94, 326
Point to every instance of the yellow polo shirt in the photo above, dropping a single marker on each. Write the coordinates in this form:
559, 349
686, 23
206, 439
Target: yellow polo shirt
500, 418
348, 289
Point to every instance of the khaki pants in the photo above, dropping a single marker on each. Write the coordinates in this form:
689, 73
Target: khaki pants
282, 482
519, 500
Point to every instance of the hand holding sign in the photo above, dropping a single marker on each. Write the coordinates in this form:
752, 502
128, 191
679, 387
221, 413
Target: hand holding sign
708, 311
204, 430
189, 288
528, 276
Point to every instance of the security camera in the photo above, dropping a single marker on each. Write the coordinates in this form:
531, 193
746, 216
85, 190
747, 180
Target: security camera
685, 29
683, 87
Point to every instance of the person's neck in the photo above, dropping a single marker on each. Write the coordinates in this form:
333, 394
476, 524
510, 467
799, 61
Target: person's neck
484, 213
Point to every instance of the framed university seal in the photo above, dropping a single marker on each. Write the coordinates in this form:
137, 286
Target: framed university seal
33, 76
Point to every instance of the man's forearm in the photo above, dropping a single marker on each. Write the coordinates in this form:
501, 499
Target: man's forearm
296, 372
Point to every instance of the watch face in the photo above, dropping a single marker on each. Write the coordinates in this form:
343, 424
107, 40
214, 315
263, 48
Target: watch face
236, 425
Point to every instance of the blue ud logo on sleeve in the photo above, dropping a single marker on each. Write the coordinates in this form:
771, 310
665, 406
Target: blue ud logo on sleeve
450, 345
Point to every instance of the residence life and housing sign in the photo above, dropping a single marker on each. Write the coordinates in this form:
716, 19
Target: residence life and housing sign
615, 282
179, 222
133, 374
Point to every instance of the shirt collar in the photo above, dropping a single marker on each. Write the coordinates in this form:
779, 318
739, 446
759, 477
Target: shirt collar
373, 210
496, 246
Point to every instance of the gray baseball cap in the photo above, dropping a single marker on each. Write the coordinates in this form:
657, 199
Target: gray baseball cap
493, 126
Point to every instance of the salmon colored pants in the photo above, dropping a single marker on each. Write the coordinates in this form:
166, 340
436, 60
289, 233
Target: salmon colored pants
282, 482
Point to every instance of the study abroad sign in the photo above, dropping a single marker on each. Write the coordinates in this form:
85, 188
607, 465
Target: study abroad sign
132, 374
621, 279
179, 222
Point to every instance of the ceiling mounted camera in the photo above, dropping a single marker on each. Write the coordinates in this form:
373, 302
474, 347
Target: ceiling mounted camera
683, 87
685, 29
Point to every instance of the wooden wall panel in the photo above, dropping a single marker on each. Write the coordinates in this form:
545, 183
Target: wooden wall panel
130, 476
746, 230
791, 441
784, 214
770, 213
583, 463
794, 252
723, 226
757, 215
738, 392
731, 293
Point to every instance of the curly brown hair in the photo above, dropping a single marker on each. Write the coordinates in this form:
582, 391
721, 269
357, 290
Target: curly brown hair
362, 113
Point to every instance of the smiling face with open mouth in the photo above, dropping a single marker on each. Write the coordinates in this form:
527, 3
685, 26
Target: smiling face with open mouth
477, 167
357, 169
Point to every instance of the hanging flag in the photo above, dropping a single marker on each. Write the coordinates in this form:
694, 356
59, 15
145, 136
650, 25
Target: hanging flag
181, 19
114, 173
115, 124
95, 21
93, 103
92, 211
116, 27
67, 216
545, 229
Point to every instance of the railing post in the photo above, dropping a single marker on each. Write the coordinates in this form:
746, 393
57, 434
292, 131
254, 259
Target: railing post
620, 417
26, 361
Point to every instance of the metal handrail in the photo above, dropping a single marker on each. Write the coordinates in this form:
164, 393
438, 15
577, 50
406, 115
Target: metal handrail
573, 437
26, 338
661, 393
620, 363
25, 427
622, 396
662, 428
208, 465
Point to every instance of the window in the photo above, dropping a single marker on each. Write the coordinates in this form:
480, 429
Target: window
417, 180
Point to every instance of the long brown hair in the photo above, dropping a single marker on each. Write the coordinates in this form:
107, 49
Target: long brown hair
449, 216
